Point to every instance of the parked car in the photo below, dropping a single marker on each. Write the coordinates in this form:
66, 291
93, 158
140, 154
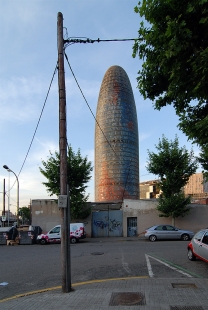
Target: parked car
77, 232
198, 247
161, 232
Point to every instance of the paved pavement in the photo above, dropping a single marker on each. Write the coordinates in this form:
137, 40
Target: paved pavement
126, 293
129, 293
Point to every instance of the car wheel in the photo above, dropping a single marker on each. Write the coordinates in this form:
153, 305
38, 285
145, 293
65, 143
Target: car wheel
152, 238
73, 240
191, 255
185, 237
43, 241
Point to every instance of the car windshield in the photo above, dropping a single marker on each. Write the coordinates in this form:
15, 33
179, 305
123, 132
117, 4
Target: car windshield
199, 235
55, 230
205, 238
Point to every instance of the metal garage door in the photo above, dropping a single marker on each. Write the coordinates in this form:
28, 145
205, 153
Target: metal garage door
107, 223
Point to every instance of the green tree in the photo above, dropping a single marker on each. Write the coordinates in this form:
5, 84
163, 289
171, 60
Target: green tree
173, 41
24, 212
174, 165
78, 174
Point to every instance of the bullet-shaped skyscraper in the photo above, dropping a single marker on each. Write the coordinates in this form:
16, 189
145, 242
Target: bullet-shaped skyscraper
116, 139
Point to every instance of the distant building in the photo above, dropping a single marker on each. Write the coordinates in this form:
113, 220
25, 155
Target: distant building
10, 218
196, 187
149, 189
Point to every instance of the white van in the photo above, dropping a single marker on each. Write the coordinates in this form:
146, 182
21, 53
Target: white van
54, 235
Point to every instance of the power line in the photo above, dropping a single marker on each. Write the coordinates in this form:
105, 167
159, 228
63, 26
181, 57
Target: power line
37, 124
88, 104
39, 118
85, 40
129, 167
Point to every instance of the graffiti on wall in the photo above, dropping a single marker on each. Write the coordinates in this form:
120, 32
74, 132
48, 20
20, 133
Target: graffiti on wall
107, 223
115, 225
111, 224
100, 224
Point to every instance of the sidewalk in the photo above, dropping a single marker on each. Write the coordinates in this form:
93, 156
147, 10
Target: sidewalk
129, 293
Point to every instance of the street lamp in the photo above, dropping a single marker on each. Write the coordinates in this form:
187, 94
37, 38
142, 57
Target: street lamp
8, 169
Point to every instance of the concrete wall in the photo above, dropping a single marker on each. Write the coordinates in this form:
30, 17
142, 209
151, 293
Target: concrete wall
46, 214
147, 215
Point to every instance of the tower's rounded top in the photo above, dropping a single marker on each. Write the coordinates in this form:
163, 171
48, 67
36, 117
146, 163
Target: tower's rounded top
115, 69
115, 81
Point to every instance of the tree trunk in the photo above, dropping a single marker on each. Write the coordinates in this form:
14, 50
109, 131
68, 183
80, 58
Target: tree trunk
173, 221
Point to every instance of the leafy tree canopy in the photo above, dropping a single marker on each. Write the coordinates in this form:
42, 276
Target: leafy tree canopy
174, 206
174, 165
24, 212
78, 175
174, 45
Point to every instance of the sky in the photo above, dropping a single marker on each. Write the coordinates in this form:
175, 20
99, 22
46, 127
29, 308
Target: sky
28, 57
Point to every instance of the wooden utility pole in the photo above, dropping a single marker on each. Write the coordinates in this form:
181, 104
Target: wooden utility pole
65, 225
4, 193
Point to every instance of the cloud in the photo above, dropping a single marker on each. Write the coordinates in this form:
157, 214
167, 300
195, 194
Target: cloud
21, 98
75, 99
31, 179
21, 15
41, 151
144, 136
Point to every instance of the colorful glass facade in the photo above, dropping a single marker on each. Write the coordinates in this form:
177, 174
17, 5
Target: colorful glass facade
116, 139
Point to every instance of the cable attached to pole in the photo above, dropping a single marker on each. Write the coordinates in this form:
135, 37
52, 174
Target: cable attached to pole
88, 104
37, 123
85, 40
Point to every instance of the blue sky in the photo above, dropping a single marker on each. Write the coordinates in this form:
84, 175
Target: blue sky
28, 56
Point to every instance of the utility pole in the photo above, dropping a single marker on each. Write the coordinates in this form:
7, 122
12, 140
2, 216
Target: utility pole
4, 193
65, 225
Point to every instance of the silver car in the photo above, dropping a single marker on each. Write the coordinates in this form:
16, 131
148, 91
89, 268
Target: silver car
161, 232
198, 247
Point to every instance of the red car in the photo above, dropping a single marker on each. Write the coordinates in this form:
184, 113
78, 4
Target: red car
198, 247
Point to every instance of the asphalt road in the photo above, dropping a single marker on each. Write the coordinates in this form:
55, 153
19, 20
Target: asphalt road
34, 267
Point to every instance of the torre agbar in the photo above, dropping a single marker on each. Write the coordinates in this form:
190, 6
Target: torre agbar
116, 139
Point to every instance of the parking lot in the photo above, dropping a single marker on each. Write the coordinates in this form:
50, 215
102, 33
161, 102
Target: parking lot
33, 267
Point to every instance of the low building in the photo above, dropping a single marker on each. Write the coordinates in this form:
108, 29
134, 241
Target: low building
197, 188
149, 189
46, 214
8, 218
129, 218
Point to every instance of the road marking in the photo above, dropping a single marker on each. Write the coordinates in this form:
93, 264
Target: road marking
149, 267
74, 284
125, 265
175, 267
30, 293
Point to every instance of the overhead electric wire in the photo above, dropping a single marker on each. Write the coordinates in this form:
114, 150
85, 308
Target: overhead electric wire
97, 122
87, 103
71, 41
37, 124
85, 40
